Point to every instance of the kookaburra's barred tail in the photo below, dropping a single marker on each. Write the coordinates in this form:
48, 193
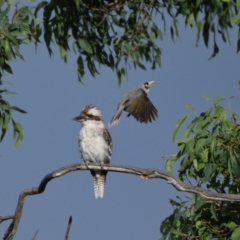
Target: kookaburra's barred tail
99, 185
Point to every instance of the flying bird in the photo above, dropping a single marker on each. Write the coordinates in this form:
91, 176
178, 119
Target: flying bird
95, 145
137, 104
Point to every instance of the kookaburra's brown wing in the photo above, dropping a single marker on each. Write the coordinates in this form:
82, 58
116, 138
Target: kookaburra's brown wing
142, 110
108, 139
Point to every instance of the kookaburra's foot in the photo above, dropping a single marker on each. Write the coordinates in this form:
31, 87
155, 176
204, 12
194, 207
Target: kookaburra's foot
101, 164
144, 177
87, 163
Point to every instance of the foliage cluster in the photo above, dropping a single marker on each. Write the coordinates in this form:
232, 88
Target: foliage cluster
209, 155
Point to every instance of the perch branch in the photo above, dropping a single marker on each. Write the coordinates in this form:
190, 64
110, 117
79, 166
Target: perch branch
143, 173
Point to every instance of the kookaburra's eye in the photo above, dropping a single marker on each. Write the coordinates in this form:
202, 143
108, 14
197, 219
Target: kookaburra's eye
146, 85
90, 115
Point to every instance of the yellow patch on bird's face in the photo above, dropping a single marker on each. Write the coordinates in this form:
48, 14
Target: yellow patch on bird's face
148, 84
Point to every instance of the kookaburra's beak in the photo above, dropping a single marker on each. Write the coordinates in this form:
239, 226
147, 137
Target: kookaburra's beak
79, 118
150, 83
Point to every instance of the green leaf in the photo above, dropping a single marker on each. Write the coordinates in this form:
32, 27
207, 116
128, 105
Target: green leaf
80, 69
236, 19
201, 166
26, 12
6, 117
204, 124
12, 39
85, 45
199, 145
3, 14
18, 133
189, 129
172, 33
212, 209
121, 76
170, 162
219, 99
218, 111
235, 165
63, 53
199, 203
229, 167
212, 145
7, 68
206, 28
195, 164
209, 237
177, 126
115, 20
236, 233
238, 4
17, 109
169, 166
205, 155
207, 98
215, 51
231, 225
188, 105
208, 171
160, 35
198, 224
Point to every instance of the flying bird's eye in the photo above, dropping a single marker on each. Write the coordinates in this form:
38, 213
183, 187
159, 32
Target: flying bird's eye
146, 85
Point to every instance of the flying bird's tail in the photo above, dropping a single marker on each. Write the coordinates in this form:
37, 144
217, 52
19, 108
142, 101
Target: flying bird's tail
99, 181
116, 117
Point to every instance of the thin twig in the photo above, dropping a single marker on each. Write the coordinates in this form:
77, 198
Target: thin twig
2, 219
35, 235
143, 173
68, 227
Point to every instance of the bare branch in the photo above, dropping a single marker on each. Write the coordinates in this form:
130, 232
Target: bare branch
68, 227
143, 173
35, 235
2, 219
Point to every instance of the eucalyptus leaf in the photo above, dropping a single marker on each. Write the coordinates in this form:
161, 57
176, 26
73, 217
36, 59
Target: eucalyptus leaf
177, 127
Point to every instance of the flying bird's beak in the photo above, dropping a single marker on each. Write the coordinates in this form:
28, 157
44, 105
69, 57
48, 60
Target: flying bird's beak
79, 118
150, 83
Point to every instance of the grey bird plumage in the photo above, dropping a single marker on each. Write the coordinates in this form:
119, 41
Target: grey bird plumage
137, 104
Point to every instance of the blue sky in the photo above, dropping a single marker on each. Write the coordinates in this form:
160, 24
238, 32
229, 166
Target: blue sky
49, 91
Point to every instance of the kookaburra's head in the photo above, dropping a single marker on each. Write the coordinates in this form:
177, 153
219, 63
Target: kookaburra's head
89, 114
146, 86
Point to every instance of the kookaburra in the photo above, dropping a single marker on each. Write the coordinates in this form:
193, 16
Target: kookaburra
95, 144
137, 104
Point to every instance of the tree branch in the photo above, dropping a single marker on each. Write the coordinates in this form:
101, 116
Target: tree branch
143, 173
2, 219
68, 227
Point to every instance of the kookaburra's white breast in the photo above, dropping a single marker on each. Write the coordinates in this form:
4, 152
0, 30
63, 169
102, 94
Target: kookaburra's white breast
92, 145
